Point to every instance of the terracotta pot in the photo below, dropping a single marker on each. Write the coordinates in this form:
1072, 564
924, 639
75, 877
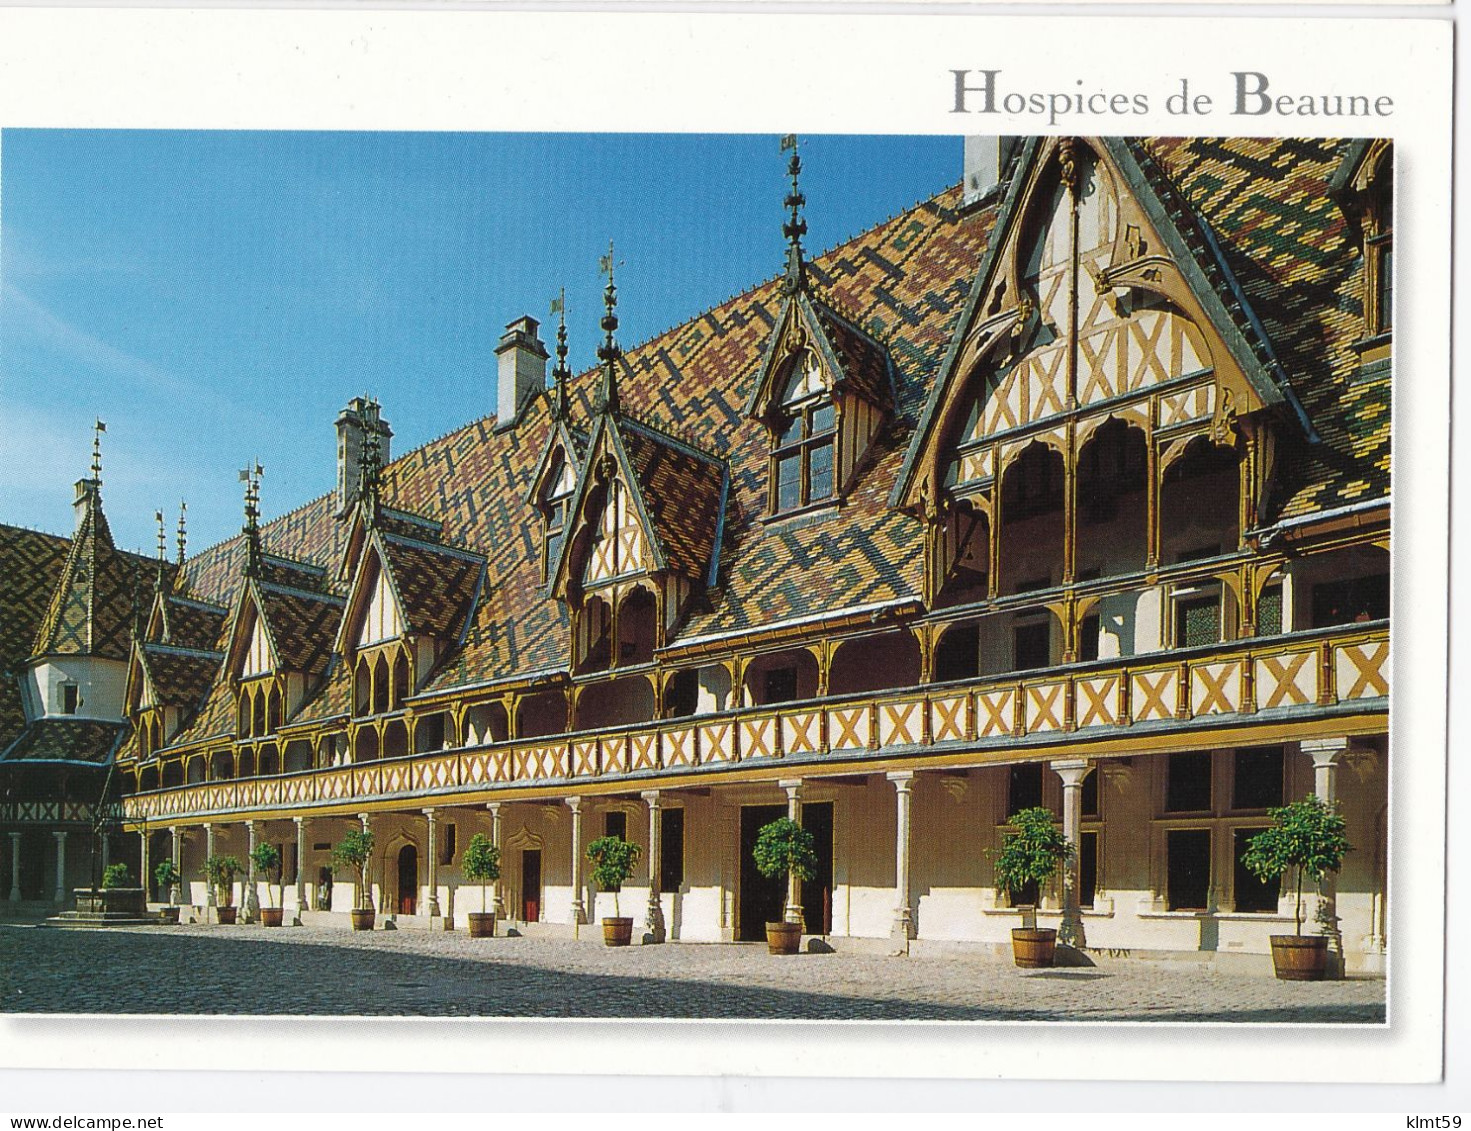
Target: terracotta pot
482, 924
226, 915
1033, 948
271, 916
617, 932
783, 938
362, 918
168, 915
1300, 958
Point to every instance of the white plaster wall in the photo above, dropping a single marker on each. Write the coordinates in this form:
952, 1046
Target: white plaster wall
100, 684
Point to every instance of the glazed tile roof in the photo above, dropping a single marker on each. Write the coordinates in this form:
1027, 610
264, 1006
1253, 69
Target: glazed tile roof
67, 740
864, 364
30, 568
303, 625
192, 624
436, 585
1267, 230
181, 677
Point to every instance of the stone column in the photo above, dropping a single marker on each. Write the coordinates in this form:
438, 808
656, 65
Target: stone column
365, 897
654, 914
60, 836
433, 869
144, 878
579, 912
15, 867
252, 899
176, 851
300, 869
495, 839
106, 850
210, 897
793, 913
903, 926
1072, 772
1325, 753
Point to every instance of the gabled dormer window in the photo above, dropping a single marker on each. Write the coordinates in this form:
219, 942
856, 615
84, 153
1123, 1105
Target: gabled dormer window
805, 427
555, 506
1379, 253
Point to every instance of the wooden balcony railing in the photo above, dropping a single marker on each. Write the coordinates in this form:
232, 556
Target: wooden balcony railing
1297, 675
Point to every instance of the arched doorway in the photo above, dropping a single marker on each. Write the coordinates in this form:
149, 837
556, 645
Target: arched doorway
408, 879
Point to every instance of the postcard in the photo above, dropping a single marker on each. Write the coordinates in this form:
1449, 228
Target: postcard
864, 545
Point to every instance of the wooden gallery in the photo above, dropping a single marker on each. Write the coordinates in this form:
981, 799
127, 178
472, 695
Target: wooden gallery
1068, 487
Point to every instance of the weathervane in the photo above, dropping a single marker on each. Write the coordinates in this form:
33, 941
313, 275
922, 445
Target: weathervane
183, 539
560, 373
795, 227
97, 430
251, 479
608, 352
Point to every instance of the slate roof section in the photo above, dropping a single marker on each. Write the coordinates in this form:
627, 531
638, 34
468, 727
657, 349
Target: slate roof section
30, 568
88, 741
192, 624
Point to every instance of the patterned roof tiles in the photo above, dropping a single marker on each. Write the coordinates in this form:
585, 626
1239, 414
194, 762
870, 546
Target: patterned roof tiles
30, 567
67, 740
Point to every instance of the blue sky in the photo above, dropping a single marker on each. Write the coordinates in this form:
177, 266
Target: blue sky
217, 297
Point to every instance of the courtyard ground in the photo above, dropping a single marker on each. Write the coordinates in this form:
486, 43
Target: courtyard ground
251, 970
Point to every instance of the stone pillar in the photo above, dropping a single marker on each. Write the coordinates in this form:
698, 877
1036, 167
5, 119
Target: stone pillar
654, 914
495, 839
176, 854
106, 850
1325, 753
1072, 772
365, 897
300, 869
579, 912
793, 913
60, 836
433, 867
251, 901
211, 899
144, 878
15, 867
903, 927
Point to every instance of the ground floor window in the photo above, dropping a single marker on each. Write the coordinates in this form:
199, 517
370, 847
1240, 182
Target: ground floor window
1250, 893
1188, 784
671, 849
1188, 869
615, 824
1024, 790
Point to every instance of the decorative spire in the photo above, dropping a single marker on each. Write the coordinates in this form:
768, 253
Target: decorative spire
251, 530
182, 536
795, 227
97, 430
163, 540
370, 474
608, 352
561, 374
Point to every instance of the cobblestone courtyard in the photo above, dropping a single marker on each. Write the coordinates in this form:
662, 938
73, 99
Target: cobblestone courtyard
316, 970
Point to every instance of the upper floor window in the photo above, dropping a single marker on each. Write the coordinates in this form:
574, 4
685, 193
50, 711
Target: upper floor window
803, 460
556, 503
1379, 253
71, 698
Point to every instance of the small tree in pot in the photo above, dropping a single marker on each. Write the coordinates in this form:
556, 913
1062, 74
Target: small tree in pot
1308, 838
613, 860
785, 849
354, 852
116, 876
481, 864
1032, 851
220, 873
267, 859
168, 879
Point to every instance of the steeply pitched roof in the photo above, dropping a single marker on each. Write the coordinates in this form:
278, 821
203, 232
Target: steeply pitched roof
30, 567
302, 624
181, 677
436, 585
67, 740
682, 491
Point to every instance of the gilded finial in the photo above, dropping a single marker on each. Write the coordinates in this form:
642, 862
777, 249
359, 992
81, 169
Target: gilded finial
561, 374
608, 352
795, 227
182, 535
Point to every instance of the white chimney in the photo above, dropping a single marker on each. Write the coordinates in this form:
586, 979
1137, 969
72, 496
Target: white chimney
986, 161
353, 425
521, 369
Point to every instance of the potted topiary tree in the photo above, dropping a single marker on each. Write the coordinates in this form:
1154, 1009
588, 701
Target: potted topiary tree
355, 852
115, 876
784, 849
168, 879
267, 860
613, 860
481, 864
1032, 851
220, 873
1308, 838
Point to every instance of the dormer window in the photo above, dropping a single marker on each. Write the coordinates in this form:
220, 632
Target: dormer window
1379, 254
554, 513
803, 463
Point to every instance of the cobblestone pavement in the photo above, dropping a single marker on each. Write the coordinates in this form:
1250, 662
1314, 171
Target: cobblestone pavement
328, 970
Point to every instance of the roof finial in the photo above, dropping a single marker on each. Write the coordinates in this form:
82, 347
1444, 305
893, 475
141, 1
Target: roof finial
795, 227
608, 352
370, 472
251, 479
97, 430
163, 540
183, 537
560, 373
